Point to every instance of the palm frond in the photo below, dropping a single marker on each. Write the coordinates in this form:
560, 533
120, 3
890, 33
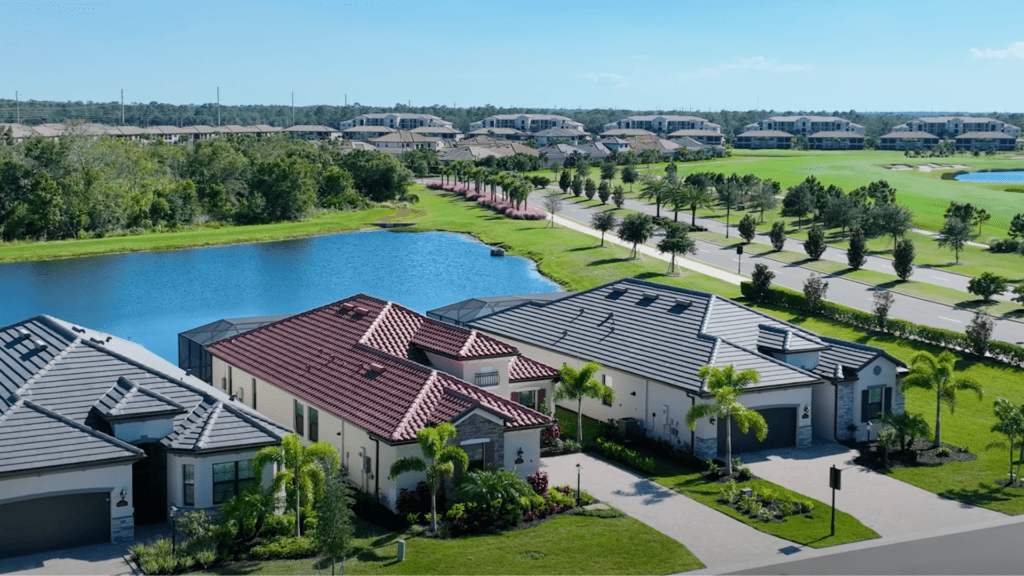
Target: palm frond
407, 464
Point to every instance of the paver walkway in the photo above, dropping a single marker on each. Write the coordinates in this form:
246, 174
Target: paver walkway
889, 506
716, 539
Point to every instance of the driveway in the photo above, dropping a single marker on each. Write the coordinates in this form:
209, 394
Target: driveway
109, 559
889, 506
716, 539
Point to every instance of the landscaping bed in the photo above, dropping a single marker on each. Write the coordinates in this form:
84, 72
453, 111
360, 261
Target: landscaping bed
921, 453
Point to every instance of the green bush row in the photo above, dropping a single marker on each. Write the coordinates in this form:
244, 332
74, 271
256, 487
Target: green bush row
779, 296
620, 453
285, 548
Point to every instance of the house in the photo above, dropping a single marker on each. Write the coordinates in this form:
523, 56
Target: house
192, 353
615, 143
907, 140
443, 132
559, 153
664, 124
985, 141
706, 137
402, 140
313, 132
564, 135
805, 125
464, 312
500, 133
760, 139
397, 121
835, 140
662, 146
596, 150
98, 435
652, 339
627, 133
952, 126
365, 374
527, 122
365, 132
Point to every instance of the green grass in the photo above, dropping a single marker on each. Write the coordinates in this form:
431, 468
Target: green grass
562, 545
813, 531
969, 482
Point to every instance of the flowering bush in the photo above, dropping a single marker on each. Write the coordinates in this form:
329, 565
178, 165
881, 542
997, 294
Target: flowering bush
549, 435
522, 212
538, 481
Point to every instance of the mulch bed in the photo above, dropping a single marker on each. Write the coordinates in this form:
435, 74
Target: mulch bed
921, 453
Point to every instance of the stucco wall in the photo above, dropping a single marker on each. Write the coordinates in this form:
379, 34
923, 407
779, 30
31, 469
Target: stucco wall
110, 479
823, 407
203, 475
148, 430
867, 379
797, 397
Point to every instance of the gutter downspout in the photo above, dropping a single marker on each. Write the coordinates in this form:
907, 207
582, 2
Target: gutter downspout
835, 413
376, 475
647, 395
693, 433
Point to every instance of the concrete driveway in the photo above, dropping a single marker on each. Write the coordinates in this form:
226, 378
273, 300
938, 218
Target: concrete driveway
716, 539
889, 506
109, 559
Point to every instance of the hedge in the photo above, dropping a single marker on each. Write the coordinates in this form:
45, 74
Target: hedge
997, 350
620, 453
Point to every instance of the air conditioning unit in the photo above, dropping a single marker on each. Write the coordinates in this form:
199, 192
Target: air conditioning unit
631, 427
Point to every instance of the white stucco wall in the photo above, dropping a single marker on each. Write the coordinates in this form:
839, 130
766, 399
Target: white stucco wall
805, 360
797, 397
148, 430
529, 441
110, 479
203, 476
823, 406
866, 378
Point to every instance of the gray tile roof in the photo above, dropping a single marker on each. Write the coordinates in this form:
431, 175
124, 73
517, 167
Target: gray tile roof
215, 425
984, 136
462, 312
78, 372
651, 330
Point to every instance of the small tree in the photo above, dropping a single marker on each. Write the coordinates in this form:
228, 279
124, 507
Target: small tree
815, 290
603, 221
987, 285
903, 258
590, 187
577, 185
856, 255
907, 426
938, 373
1010, 423
955, 233
618, 197
630, 175
636, 228
1016, 227
815, 245
761, 281
299, 470
608, 170
883, 300
891, 219
565, 181
440, 460
764, 197
981, 216
797, 202
726, 385
728, 193
579, 384
604, 191
676, 241
334, 528
748, 228
553, 203
778, 235
979, 332
1018, 293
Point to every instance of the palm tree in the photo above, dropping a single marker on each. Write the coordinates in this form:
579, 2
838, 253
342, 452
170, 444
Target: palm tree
1010, 424
440, 460
299, 470
938, 373
676, 241
250, 510
726, 385
655, 189
697, 195
578, 384
636, 228
603, 221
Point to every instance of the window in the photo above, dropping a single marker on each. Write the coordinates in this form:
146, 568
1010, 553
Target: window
528, 398
314, 424
477, 455
189, 480
299, 421
607, 381
874, 401
230, 478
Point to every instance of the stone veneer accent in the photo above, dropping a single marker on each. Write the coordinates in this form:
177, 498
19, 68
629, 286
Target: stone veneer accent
844, 411
477, 426
804, 437
705, 448
898, 401
122, 530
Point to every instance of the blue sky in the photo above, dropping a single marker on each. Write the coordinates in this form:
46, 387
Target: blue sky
895, 55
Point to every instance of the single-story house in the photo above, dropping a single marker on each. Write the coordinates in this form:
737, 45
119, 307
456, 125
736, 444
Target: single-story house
569, 135
627, 132
442, 132
596, 150
365, 374
401, 141
835, 140
907, 140
652, 339
500, 133
97, 435
615, 143
559, 153
708, 137
984, 141
764, 139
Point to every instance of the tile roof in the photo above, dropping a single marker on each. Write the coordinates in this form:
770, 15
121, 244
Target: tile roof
126, 399
665, 333
522, 369
836, 134
627, 132
695, 132
765, 134
985, 136
352, 358
909, 134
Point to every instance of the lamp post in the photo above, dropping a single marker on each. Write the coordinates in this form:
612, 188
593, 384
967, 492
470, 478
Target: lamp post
578, 468
174, 529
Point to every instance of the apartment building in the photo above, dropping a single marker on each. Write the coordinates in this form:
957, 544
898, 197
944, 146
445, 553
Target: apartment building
663, 124
397, 121
527, 122
805, 125
953, 126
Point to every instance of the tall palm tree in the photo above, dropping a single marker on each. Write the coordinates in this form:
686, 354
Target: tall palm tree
299, 470
654, 189
440, 460
726, 385
938, 373
579, 384
697, 194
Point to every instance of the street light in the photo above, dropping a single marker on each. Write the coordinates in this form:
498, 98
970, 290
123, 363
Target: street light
174, 532
578, 468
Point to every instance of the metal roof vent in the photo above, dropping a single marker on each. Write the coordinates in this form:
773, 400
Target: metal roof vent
348, 306
649, 296
361, 310
40, 345
23, 332
619, 289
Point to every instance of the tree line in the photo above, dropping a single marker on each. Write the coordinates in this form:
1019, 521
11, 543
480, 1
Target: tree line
84, 187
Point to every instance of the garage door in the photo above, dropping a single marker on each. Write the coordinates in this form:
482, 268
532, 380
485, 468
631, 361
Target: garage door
781, 432
54, 522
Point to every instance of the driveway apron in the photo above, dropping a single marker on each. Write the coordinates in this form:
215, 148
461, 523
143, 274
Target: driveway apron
716, 539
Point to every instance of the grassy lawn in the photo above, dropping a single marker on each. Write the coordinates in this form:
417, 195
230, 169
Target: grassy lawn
562, 545
813, 531
970, 482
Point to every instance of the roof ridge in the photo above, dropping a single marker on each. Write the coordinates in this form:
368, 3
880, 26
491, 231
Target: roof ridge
468, 343
415, 404
211, 419
82, 427
373, 325
786, 341
707, 316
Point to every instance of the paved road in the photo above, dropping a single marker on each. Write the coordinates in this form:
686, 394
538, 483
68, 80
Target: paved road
716, 539
889, 506
841, 290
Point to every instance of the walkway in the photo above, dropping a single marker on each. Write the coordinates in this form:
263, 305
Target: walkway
889, 506
716, 539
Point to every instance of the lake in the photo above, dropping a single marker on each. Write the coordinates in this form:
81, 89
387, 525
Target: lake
1008, 177
150, 297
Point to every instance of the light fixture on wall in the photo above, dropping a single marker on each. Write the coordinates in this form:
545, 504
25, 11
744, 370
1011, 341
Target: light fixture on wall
519, 458
124, 493
712, 420
807, 412
633, 393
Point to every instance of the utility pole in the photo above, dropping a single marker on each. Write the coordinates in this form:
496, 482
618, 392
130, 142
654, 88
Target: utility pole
218, 105
346, 99
122, 106
17, 104
293, 108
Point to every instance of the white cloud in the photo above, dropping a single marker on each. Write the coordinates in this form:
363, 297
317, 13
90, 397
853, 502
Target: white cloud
757, 63
1015, 50
617, 80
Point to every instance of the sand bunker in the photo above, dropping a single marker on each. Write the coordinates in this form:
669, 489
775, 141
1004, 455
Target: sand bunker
900, 167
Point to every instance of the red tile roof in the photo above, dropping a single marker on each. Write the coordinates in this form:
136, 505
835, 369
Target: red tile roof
351, 359
459, 342
523, 368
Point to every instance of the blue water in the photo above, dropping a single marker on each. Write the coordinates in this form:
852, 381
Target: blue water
151, 297
1010, 177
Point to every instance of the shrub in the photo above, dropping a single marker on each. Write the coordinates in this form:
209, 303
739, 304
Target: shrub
538, 481
713, 468
987, 285
416, 503
785, 508
745, 473
748, 228
815, 245
903, 258
1008, 245
778, 235
560, 500
285, 548
620, 453
943, 452
729, 492
760, 283
979, 332
764, 514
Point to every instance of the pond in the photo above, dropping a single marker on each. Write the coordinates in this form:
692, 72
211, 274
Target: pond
1007, 177
150, 297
